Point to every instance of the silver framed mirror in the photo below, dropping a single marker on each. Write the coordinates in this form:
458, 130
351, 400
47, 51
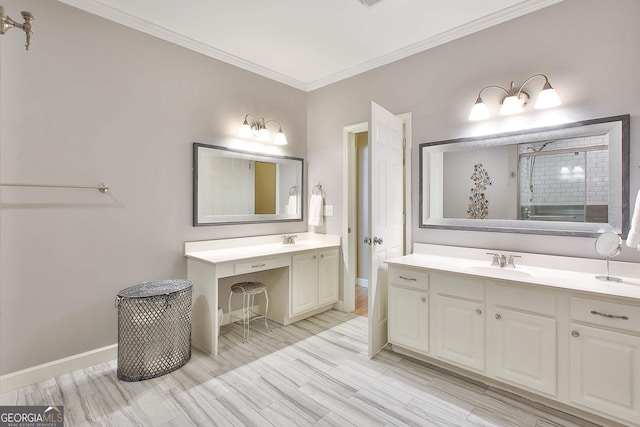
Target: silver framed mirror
609, 244
571, 179
239, 187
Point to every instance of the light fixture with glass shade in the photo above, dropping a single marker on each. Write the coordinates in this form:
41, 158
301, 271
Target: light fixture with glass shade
257, 128
515, 99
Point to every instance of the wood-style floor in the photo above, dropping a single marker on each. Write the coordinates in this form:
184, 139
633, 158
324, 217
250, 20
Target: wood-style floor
313, 372
362, 301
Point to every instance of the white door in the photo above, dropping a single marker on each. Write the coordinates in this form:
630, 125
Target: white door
328, 277
409, 318
460, 331
524, 350
605, 371
304, 273
385, 215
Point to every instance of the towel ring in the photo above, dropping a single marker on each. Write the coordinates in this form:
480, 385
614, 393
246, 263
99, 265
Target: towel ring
293, 191
317, 190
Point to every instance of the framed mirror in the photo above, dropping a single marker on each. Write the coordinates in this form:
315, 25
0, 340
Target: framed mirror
232, 186
571, 179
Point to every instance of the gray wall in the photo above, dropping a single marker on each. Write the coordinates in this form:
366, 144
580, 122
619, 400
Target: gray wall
96, 102
91, 102
589, 50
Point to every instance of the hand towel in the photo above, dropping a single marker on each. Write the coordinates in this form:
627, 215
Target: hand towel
292, 204
633, 239
316, 207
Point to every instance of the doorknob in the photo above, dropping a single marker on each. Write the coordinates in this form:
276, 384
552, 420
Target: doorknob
377, 240
366, 240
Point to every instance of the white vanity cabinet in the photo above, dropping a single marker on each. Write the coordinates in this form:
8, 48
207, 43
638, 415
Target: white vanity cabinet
316, 278
458, 325
408, 308
556, 335
605, 357
523, 325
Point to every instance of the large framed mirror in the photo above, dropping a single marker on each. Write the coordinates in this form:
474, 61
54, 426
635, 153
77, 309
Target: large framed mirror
232, 186
571, 179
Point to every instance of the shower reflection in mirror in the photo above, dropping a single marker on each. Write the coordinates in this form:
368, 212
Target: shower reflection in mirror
564, 180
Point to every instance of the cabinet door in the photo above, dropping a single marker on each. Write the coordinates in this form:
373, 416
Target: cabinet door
524, 349
605, 371
460, 331
328, 277
409, 318
304, 283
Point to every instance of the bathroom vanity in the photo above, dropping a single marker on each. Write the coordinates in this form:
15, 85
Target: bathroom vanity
547, 329
302, 278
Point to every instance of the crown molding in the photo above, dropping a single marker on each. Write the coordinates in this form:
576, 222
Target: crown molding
116, 15
439, 39
97, 8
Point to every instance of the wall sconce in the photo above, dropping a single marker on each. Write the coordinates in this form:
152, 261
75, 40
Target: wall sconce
258, 129
515, 100
6, 23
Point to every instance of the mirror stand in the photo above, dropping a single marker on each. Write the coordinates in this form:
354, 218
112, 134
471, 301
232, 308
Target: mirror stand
609, 244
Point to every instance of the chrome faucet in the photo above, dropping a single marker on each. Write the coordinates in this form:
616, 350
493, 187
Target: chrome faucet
498, 259
289, 239
501, 260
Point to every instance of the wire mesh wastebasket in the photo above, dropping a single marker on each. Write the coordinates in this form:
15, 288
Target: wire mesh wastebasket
154, 329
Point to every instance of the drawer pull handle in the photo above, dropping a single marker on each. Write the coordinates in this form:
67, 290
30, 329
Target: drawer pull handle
610, 316
575, 334
498, 316
411, 279
258, 265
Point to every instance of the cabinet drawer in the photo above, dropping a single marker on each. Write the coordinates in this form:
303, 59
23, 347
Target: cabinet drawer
471, 288
259, 265
614, 315
525, 299
410, 278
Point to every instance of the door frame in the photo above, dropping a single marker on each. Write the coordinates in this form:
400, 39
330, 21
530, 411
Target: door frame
349, 206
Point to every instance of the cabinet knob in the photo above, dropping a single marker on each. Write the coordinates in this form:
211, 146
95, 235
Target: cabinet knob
478, 311
423, 299
314, 257
575, 333
498, 316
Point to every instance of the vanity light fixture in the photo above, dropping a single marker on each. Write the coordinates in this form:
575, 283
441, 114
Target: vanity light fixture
27, 26
515, 99
252, 128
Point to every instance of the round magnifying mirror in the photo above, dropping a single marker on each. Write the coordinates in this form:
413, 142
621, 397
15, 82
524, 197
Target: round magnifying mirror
609, 244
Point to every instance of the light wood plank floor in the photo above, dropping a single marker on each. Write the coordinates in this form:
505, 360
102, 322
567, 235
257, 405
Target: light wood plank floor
362, 301
314, 372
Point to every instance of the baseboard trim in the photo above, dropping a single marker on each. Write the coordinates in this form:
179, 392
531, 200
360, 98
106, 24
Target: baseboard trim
363, 283
25, 377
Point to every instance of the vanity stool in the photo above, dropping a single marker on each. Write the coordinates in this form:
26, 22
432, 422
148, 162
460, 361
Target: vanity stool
249, 290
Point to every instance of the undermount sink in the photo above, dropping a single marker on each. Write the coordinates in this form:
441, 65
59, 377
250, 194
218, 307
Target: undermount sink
496, 271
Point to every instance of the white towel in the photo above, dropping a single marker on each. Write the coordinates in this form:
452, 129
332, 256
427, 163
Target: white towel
292, 205
633, 239
316, 207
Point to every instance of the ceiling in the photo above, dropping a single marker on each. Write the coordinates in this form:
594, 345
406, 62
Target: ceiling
308, 44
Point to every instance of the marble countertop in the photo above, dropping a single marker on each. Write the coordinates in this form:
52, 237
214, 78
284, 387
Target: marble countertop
536, 275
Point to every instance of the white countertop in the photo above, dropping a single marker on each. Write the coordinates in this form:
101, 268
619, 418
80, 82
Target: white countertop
230, 250
583, 281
